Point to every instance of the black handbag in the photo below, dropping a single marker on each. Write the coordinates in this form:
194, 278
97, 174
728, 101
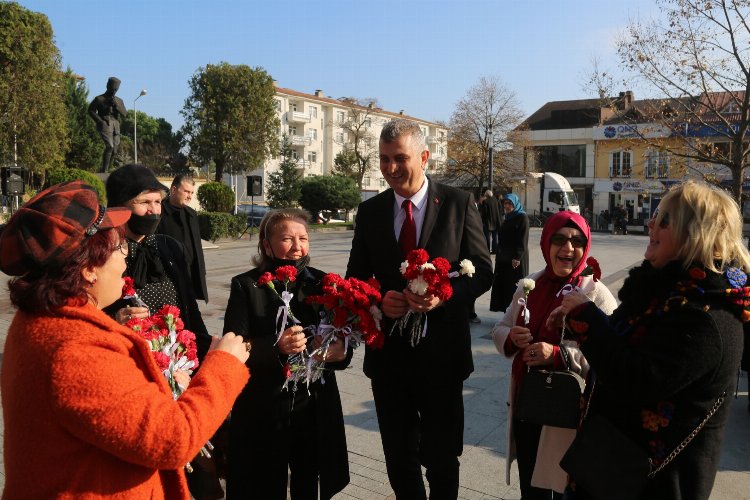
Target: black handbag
607, 464
551, 397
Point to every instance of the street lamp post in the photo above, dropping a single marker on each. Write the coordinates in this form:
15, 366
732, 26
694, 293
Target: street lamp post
135, 124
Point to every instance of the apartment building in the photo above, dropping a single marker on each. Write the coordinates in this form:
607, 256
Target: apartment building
320, 127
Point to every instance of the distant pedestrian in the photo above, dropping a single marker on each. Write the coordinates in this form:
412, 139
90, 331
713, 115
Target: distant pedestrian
512, 260
491, 219
180, 221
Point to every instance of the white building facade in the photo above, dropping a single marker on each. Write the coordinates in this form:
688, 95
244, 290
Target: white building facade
319, 128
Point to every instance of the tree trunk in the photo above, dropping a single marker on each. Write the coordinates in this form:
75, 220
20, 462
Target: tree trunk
219, 175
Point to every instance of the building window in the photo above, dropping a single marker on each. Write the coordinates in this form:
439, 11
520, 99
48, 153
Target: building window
382, 182
442, 136
294, 154
312, 156
292, 130
441, 151
313, 134
368, 123
313, 111
340, 117
340, 137
620, 164
568, 161
366, 181
657, 164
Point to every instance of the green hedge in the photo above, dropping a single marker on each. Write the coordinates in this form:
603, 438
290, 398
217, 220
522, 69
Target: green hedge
215, 197
215, 225
58, 175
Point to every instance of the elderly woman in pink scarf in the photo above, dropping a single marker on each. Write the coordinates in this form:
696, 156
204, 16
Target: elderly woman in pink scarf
565, 243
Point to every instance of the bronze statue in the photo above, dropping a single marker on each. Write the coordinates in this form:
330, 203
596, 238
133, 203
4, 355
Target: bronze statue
106, 110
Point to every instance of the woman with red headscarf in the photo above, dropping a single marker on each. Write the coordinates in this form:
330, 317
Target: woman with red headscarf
565, 243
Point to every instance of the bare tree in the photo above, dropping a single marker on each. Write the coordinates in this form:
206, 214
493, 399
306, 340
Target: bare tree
486, 117
695, 59
359, 142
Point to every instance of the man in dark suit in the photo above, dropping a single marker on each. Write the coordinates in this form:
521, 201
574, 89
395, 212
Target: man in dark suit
180, 221
418, 389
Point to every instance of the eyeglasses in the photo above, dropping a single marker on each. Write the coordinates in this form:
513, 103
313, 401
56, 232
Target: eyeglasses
123, 248
664, 219
560, 240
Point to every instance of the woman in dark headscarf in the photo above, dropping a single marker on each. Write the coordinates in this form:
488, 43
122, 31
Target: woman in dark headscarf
512, 260
565, 243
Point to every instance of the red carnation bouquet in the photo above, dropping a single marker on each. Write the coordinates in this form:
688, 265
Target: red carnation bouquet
351, 313
173, 347
427, 278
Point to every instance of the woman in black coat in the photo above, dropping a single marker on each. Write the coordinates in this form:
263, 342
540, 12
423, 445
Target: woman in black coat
669, 353
275, 429
512, 259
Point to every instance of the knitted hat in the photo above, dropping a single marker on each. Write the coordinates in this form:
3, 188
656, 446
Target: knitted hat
129, 181
51, 226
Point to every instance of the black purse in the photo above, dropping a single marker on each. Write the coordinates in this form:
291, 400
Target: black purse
607, 464
551, 397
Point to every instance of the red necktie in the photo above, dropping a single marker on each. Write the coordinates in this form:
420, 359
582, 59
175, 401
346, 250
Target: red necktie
407, 240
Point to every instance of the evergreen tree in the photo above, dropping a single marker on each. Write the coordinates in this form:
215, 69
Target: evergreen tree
283, 188
85, 146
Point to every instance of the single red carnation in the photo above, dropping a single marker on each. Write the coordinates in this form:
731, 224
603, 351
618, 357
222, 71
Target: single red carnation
287, 371
441, 265
162, 360
128, 289
286, 273
264, 279
418, 256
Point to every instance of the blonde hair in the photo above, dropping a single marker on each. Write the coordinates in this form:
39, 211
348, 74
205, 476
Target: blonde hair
268, 225
707, 226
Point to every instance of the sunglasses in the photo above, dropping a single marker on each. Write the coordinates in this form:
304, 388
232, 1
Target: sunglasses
560, 240
664, 219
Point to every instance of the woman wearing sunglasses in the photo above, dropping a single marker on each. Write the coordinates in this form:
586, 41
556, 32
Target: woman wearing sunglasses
668, 356
565, 243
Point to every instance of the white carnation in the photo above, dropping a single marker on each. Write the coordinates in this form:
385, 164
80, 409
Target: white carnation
403, 267
528, 285
426, 265
418, 285
467, 267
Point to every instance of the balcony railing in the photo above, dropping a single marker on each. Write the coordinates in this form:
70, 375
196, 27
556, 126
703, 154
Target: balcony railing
432, 139
303, 164
297, 117
300, 140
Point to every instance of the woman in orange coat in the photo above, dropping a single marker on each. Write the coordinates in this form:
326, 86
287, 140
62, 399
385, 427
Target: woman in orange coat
87, 411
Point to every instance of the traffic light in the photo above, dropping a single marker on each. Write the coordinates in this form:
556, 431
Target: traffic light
254, 185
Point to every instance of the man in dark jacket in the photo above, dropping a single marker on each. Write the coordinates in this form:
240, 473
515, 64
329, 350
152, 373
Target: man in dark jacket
180, 221
417, 388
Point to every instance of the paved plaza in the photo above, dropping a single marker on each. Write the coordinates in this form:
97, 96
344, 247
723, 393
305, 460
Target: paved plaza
483, 460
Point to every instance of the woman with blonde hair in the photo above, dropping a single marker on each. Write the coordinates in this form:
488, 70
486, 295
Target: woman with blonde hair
668, 356
277, 435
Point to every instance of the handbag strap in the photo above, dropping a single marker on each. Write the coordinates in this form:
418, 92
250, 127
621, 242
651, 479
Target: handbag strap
678, 449
690, 436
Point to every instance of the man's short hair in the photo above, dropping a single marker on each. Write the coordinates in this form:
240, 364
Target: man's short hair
180, 178
399, 127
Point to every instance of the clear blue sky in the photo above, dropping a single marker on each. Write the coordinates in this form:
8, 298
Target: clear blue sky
417, 55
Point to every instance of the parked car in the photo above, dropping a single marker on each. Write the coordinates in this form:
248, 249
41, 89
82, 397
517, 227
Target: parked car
254, 213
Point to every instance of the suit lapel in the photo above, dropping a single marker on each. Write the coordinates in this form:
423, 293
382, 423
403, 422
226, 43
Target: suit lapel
384, 224
432, 208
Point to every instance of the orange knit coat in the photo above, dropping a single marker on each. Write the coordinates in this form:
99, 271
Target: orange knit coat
88, 414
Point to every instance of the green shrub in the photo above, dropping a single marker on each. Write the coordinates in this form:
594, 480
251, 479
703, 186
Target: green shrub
215, 225
58, 175
216, 197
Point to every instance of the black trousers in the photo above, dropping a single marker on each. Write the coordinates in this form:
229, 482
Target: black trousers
421, 426
264, 462
527, 436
